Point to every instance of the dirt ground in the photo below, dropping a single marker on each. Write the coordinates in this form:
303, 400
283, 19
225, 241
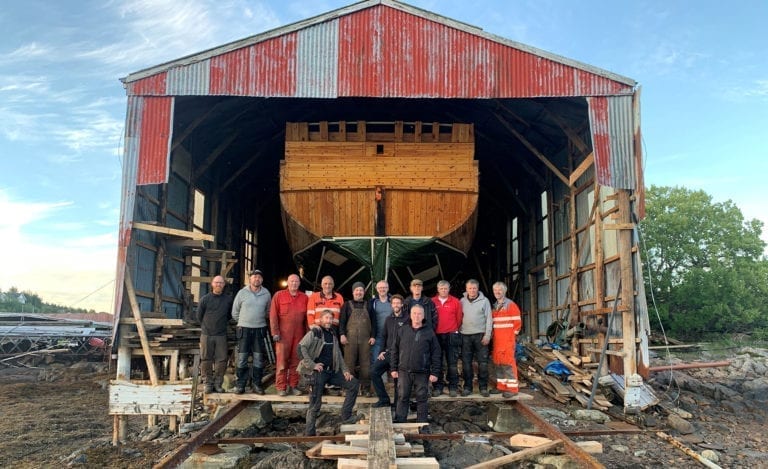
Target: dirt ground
57, 415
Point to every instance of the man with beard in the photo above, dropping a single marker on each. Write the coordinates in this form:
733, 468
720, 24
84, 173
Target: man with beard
383, 360
321, 356
357, 327
251, 309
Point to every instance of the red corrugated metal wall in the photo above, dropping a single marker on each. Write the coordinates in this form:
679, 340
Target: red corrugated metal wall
154, 143
267, 68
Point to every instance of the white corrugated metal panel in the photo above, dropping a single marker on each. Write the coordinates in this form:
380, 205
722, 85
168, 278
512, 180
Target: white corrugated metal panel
192, 79
317, 61
621, 129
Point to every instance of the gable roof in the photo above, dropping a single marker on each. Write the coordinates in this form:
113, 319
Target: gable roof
377, 48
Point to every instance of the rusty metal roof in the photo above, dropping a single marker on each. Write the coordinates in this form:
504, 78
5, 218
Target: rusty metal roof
377, 48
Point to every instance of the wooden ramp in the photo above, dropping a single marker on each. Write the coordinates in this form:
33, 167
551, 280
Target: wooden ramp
376, 444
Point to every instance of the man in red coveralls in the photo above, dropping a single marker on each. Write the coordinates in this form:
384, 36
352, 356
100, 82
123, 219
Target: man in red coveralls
506, 325
449, 316
288, 324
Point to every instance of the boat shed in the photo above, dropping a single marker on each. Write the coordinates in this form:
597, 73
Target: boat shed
557, 143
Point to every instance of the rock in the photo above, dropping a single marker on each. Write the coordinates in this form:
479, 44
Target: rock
620, 448
591, 415
229, 457
192, 426
682, 413
258, 413
640, 453
557, 461
680, 424
151, 433
80, 459
551, 413
710, 455
693, 438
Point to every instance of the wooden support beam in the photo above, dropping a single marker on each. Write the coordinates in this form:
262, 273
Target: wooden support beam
172, 231
573, 136
585, 165
140, 327
153, 322
518, 456
533, 150
619, 226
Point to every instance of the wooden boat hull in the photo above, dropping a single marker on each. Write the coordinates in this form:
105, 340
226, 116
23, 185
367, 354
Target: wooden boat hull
363, 205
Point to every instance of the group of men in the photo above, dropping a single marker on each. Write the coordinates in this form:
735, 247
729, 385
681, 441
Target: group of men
327, 340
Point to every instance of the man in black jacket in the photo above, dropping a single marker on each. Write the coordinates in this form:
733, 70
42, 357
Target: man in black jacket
417, 298
415, 364
213, 313
384, 359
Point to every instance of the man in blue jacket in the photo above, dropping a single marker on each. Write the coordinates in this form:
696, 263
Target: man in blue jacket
415, 363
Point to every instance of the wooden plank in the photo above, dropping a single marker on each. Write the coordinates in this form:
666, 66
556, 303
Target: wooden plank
140, 327
153, 321
126, 398
381, 450
522, 440
172, 231
585, 165
518, 456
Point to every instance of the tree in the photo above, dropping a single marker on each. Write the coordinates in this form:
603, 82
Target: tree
705, 265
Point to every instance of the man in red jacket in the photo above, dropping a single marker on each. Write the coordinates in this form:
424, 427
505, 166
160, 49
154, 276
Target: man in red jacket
449, 316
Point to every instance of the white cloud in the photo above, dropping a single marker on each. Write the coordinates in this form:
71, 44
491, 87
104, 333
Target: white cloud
60, 269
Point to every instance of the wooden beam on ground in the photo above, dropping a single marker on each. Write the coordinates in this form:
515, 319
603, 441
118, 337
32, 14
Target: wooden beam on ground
172, 231
677, 444
518, 456
522, 440
402, 463
381, 450
153, 322
181, 453
140, 327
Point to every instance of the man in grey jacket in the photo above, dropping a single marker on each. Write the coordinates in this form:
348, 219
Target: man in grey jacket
321, 356
251, 310
476, 330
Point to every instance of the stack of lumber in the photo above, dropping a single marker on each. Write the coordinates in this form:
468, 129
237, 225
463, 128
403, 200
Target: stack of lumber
377, 443
578, 385
170, 336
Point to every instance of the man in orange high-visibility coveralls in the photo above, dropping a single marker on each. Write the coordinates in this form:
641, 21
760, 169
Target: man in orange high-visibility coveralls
507, 323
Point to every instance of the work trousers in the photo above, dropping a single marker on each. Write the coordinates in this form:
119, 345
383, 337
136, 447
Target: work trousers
287, 360
213, 349
318, 381
450, 346
357, 352
250, 341
380, 367
472, 348
419, 382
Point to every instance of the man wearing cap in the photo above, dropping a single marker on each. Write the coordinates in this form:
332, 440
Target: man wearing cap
357, 328
288, 323
213, 314
251, 309
416, 297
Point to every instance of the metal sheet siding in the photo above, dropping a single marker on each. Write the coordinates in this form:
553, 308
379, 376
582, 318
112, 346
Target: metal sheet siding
601, 138
154, 85
317, 60
621, 127
611, 121
263, 69
384, 52
154, 140
193, 79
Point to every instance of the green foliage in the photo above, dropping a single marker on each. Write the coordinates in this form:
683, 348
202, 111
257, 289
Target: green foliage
705, 266
15, 301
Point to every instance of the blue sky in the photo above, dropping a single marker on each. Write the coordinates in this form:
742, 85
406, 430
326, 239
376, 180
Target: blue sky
702, 65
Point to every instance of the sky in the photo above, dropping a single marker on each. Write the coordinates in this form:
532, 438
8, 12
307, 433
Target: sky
702, 66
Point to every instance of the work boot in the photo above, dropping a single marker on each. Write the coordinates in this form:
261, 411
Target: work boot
381, 404
436, 392
218, 388
495, 391
296, 391
258, 390
466, 392
349, 420
208, 389
239, 389
282, 393
507, 395
452, 392
485, 393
